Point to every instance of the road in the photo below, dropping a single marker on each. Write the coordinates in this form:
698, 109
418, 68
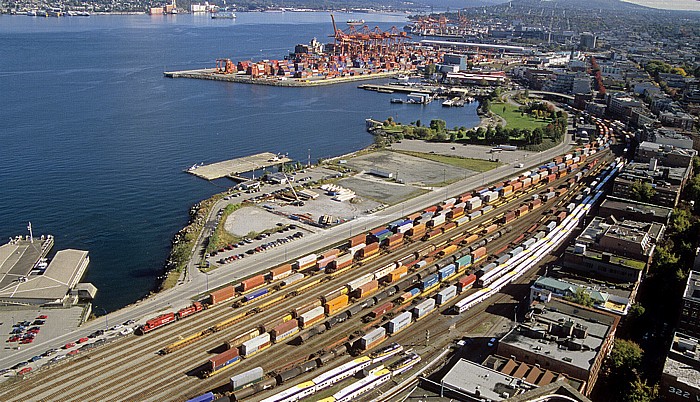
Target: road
196, 282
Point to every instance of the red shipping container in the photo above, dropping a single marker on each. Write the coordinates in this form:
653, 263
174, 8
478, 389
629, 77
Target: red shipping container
284, 328
367, 289
217, 361
381, 310
331, 252
394, 239
253, 282
359, 239
281, 272
478, 253
466, 282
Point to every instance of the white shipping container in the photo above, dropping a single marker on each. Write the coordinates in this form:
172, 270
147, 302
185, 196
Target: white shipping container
254, 344
247, 377
292, 279
446, 294
399, 322
380, 273
352, 285
462, 221
425, 307
307, 259
373, 335
438, 220
405, 228
311, 315
355, 249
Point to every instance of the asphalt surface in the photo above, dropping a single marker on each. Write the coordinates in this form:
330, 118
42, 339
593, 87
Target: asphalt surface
196, 283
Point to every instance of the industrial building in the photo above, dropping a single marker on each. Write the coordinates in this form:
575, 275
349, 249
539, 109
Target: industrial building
563, 337
544, 288
634, 210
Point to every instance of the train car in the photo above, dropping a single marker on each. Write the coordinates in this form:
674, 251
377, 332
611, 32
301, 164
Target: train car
324, 262
311, 317
237, 340
446, 272
281, 272
372, 338
429, 282
381, 310
386, 352
466, 282
356, 283
463, 262
367, 252
250, 283
354, 241
432, 234
339, 263
423, 309
397, 274
208, 397
366, 289
298, 311
336, 304
255, 294
155, 323
294, 393
284, 331
291, 279
340, 373
367, 384
399, 323
184, 312
446, 295
307, 261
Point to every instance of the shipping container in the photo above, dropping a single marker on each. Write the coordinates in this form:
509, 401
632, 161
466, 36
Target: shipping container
331, 252
372, 338
446, 271
466, 282
398, 273
509, 217
381, 310
253, 282
462, 221
334, 305
368, 251
297, 312
463, 262
473, 204
292, 279
410, 294
359, 239
284, 330
430, 281
281, 272
446, 295
247, 378
384, 271
489, 229
366, 289
422, 309
237, 340
311, 317
436, 221
222, 294
354, 284
416, 231
307, 261
478, 254
399, 323
323, 263
222, 360
255, 294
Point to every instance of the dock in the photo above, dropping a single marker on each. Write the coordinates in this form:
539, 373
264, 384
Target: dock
213, 74
234, 167
391, 88
20, 256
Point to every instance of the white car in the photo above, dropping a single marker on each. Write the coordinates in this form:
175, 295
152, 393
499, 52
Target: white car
126, 331
116, 327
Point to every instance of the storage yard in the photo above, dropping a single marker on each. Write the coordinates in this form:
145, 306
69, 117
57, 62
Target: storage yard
393, 282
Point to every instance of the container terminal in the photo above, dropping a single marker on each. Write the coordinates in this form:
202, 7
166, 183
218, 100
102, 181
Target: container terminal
354, 54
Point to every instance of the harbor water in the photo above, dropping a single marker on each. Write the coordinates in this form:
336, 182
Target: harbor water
95, 139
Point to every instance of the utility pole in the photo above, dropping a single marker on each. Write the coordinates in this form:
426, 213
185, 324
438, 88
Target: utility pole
427, 337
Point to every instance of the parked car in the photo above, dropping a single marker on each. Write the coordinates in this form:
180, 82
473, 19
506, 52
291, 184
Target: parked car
82, 340
42, 317
24, 371
68, 345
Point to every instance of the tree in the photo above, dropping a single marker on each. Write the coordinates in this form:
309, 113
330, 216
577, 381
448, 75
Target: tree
681, 220
641, 392
582, 297
641, 191
438, 125
626, 357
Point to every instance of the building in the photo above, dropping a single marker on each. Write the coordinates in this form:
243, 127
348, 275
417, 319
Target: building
54, 286
563, 337
634, 210
469, 381
544, 288
689, 322
666, 136
680, 379
667, 182
677, 119
567, 82
625, 238
587, 41
621, 105
593, 263
453, 59
667, 155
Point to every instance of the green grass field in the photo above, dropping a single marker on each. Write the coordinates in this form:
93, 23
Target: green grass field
513, 117
477, 165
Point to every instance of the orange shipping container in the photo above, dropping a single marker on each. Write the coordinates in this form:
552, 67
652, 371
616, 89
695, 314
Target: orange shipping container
281, 272
336, 304
471, 239
478, 253
331, 252
253, 282
490, 229
359, 239
367, 289
222, 294
398, 273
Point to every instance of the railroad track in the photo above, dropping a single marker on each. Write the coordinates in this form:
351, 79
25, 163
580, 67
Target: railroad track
130, 367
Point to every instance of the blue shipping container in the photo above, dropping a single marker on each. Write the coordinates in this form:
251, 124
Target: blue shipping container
429, 281
446, 271
208, 397
256, 294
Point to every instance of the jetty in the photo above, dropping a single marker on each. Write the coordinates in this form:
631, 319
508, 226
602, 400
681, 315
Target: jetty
214, 74
234, 167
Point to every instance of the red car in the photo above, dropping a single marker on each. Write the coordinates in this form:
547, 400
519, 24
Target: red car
24, 371
68, 345
73, 352
26, 340
42, 317
82, 340
14, 338
33, 331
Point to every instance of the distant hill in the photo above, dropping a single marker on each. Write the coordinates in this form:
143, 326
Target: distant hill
612, 5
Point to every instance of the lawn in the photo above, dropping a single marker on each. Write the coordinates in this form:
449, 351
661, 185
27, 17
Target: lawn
477, 165
513, 117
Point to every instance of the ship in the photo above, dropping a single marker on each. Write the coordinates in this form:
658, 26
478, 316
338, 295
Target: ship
224, 15
355, 22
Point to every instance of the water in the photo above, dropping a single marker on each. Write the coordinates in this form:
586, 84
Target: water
94, 139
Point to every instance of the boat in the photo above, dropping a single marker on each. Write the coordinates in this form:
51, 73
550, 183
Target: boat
397, 100
31, 13
402, 77
355, 22
224, 15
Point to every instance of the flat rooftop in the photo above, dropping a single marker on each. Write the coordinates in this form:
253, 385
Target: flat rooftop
237, 166
683, 360
476, 380
20, 256
63, 273
614, 203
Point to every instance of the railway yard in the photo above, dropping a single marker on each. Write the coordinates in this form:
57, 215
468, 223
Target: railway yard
417, 282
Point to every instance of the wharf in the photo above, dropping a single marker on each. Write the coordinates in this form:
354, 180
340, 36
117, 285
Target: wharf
390, 88
20, 256
233, 167
211, 74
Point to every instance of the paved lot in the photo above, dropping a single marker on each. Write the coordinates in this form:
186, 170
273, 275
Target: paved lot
325, 205
379, 190
253, 219
463, 150
409, 169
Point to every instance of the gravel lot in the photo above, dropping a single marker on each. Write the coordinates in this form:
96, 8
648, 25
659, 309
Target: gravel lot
379, 190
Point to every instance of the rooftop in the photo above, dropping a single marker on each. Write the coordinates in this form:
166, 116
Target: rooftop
603, 300
692, 289
613, 259
474, 380
62, 274
640, 208
20, 256
683, 360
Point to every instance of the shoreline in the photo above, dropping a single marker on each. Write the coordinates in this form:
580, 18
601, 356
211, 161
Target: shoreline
210, 74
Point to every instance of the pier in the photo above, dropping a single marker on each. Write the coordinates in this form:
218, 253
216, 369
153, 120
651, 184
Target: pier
212, 74
391, 88
233, 167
